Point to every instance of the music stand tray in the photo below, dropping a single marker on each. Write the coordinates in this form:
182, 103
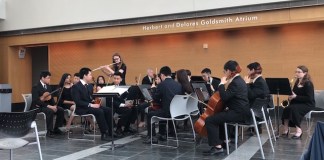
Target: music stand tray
111, 93
278, 86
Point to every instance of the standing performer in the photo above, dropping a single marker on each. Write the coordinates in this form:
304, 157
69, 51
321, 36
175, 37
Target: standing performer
118, 66
235, 98
301, 102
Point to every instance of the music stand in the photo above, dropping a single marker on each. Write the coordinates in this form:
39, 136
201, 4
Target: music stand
203, 88
278, 86
111, 93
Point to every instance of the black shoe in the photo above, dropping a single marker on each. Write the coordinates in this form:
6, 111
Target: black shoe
58, 131
297, 137
129, 130
148, 140
213, 151
105, 137
224, 145
50, 134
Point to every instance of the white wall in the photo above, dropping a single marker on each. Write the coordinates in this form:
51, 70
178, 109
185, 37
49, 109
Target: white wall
2, 10
27, 14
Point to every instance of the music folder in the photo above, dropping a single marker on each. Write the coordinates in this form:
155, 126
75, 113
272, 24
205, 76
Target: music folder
111, 91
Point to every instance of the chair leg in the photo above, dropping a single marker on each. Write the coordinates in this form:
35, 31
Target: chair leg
38, 144
273, 133
226, 138
11, 154
175, 131
258, 135
236, 136
193, 130
151, 132
269, 134
242, 128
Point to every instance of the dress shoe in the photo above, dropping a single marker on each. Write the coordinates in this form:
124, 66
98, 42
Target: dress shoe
50, 134
58, 131
148, 140
297, 137
105, 137
129, 130
213, 151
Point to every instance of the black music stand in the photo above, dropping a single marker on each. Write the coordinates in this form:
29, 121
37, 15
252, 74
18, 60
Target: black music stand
111, 95
278, 86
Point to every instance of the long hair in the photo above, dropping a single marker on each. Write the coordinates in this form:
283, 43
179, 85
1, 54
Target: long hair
63, 78
182, 78
104, 81
306, 77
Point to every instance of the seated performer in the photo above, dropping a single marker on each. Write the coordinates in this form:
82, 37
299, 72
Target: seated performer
164, 94
82, 96
257, 86
149, 78
235, 99
46, 104
125, 110
211, 83
301, 102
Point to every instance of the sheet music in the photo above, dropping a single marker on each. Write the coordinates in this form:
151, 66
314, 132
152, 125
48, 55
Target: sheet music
113, 89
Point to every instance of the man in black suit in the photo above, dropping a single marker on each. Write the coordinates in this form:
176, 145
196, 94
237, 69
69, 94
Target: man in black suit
82, 96
257, 86
149, 78
46, 105
164, 94
126, 110
235, 98
211, 83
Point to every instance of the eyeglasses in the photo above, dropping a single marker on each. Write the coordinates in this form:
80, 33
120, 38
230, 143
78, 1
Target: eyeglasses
115, 59
299, 72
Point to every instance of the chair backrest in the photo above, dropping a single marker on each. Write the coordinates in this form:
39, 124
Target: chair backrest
178, 106
16, 124
271, 103
257, 106
192, 103
28, 101
319, 98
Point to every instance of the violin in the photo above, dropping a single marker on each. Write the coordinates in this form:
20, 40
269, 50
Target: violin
97, 100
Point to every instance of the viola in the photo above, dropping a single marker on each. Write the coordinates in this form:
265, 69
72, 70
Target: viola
48, 95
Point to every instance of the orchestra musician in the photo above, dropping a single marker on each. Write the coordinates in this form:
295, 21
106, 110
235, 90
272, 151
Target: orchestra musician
100, 83
235, 99
164, 94
65, 99
127, 111
82, 96
301, 102
211, 83
46, 104
257, 86
182, 78
149, 78
76, 78
118, 66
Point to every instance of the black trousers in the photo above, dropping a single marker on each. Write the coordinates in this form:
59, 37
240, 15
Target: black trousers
295, 113
103, 118
162, 126
215, 125
128, 116
50, 117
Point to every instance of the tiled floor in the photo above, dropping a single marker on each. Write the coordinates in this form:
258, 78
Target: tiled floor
61, 148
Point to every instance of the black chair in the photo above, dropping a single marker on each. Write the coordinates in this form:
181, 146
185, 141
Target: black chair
259, 116
13, 127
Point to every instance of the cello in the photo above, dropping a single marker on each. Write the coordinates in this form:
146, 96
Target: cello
215, 105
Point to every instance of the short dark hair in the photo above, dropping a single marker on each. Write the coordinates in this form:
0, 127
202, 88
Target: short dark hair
188, 72
166, 70
118, 74
76, 75
84, 71
206, 70
44, 74
233, 66
256, 66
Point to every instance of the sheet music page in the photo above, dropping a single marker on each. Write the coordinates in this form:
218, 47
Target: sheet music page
113, 89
